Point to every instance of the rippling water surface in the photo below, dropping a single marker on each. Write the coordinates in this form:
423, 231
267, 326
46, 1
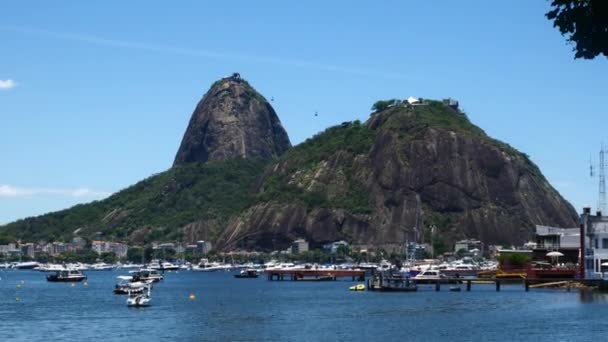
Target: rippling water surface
229, 309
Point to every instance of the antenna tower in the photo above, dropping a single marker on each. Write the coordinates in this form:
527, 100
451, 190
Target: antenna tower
601, 203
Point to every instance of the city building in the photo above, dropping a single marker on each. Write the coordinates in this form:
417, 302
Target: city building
595, 228
552, 239
119, 249
203, 246
28, 249
299, 246
333, 247
9, 250
468, 245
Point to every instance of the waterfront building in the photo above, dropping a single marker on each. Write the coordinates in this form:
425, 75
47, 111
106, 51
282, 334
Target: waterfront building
203, 246
333, 247
595, 228
9, 250
299, 246
553, 239
28, 249
119, 249
468, 245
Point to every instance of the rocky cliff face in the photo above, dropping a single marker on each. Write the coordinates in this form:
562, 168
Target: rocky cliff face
232, 121
408, 164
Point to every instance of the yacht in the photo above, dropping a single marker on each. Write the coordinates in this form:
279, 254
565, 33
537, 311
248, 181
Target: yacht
26, 265
429, 275
163, 266
205, 266
147, 275
50, 268
66, 276
126, 284
101, 267
139, 299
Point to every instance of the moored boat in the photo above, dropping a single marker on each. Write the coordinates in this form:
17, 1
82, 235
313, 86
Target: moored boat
429, 276
66, 276
147, 275
248, 273
141, 299
126, 285
26, 265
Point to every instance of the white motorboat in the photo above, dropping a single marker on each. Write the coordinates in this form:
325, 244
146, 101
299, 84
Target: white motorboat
101, 267
205, 266
50, 267
26, 265
126, 284
429, 275
147, 275
163, 266
139, 299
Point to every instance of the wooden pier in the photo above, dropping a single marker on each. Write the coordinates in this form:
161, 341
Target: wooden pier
387, 284
314, 274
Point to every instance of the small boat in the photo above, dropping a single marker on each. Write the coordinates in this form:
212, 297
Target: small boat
455, 289
205, 266
248, 273
26, 265
147, 275
163, 266
66, 276
101, 267
139, 299
358, 287
127, 284
429, 276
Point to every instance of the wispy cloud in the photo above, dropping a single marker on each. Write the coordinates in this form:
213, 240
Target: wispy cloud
205, 53
14, 191
7, 84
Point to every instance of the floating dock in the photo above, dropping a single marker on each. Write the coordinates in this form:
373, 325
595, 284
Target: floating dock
314, 274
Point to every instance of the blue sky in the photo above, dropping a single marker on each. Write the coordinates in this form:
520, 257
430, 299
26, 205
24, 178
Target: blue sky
100, 93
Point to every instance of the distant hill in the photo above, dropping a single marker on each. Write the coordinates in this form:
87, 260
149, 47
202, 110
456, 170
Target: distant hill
236, 182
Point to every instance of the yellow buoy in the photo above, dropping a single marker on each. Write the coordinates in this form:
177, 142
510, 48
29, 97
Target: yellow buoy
192, 296
18, 286
359, 287
85, 283
16, 299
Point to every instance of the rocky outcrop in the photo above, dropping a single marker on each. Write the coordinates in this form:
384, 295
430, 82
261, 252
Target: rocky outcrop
426, 162
232, 121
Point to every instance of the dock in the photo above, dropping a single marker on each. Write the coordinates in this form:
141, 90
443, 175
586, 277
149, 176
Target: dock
314, 274
388, 284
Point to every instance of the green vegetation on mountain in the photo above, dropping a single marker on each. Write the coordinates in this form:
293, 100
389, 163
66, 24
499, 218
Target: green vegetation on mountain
351, 138
411, 122
164, 203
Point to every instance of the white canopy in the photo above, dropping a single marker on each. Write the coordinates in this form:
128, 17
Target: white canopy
412, 99
555, 254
